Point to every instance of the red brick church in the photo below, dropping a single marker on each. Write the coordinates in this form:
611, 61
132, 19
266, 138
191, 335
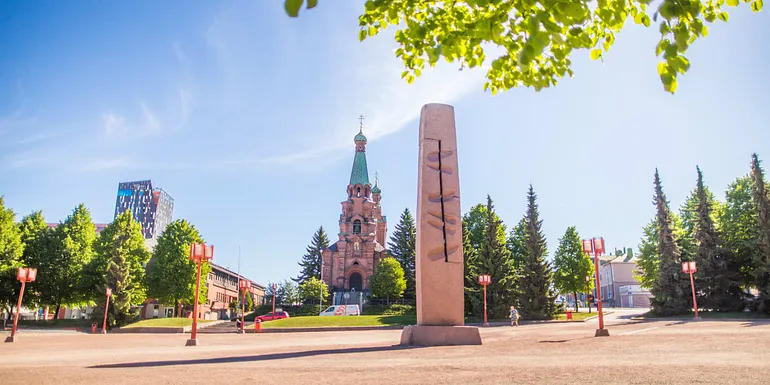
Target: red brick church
349, 262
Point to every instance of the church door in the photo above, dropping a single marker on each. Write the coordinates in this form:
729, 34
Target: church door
356, 282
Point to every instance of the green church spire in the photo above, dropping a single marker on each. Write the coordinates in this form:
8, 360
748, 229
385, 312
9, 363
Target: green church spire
360, 172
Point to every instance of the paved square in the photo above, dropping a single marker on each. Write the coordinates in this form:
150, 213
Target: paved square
666, 352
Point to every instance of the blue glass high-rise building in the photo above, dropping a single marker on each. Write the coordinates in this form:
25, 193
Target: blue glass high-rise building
152, 207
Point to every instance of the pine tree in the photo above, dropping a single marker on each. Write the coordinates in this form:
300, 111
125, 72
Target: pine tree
536, 299
717, 278
670, 289
495, 259
572, 265
311, 261
762, 255
470, 264
402, 248
119, 265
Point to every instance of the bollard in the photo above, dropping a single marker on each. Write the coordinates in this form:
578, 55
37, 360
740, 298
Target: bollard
258, 326
93, 327
569, 315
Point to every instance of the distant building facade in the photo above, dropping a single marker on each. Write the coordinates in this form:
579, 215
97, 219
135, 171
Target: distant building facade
350, 261
222, 285
99, 226
152, 207
620, 286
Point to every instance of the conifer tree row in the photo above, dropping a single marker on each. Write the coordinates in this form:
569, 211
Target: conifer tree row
670, 289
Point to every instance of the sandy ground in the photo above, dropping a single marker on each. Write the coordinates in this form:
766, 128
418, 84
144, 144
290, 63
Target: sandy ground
667, 352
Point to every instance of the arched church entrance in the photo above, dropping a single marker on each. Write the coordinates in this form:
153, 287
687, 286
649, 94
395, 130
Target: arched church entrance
356, 281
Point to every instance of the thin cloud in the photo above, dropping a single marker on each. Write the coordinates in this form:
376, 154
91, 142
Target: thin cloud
113, 123
150, 120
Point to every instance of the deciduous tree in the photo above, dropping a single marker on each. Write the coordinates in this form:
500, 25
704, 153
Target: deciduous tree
67, 253
402, 248
536, 38
738, 225
312, 290
572, 265
388, 279
170, 273
11, 251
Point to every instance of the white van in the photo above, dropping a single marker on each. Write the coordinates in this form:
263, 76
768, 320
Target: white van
342, 310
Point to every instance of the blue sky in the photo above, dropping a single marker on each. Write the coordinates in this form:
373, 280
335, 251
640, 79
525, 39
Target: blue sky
246, 117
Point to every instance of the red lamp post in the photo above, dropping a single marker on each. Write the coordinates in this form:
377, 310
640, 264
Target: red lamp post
23, 275
243, 286
484, 280
691, 268
596, 245
199, 253
106, 310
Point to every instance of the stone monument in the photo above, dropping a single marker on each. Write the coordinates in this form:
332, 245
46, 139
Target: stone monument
439, 252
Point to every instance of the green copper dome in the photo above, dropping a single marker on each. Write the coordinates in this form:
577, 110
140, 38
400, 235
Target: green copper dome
360, 137
376, 189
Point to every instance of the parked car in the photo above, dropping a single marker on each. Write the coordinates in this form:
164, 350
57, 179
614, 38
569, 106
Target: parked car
341, 310
270, 316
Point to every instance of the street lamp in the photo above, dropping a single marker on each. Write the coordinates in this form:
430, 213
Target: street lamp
23, 275
275, 288
199, 253
691, 268
321, 291
596, 245
106, 309
484, 280
244, 286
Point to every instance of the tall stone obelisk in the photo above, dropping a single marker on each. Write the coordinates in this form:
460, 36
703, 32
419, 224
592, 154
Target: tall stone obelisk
439, 247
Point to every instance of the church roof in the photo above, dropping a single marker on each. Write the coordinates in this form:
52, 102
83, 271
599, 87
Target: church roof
360, 173
359, 137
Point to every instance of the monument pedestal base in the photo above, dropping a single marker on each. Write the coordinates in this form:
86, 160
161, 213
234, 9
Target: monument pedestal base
422, 335
602, 333
191, 342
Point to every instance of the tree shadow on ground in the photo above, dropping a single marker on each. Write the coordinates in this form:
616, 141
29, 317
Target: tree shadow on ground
563, 341
250, 358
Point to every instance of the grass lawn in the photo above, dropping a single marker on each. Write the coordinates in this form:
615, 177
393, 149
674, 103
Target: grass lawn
164, 323
577, 316
341, 321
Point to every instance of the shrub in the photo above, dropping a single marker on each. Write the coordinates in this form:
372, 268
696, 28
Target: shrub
393, 309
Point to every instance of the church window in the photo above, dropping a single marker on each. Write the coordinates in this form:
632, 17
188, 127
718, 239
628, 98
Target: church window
358, 192
357, 226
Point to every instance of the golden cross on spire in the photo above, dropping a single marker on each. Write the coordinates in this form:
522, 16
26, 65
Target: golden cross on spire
361, 123
376, 178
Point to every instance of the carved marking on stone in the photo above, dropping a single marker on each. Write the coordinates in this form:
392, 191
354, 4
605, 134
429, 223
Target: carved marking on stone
437, 254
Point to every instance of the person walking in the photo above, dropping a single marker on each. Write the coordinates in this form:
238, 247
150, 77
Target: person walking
514, 315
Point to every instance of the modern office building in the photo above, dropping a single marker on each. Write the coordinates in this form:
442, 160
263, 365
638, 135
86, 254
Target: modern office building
152, 207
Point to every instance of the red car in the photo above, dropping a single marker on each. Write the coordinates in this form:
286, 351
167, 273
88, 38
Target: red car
270, 316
